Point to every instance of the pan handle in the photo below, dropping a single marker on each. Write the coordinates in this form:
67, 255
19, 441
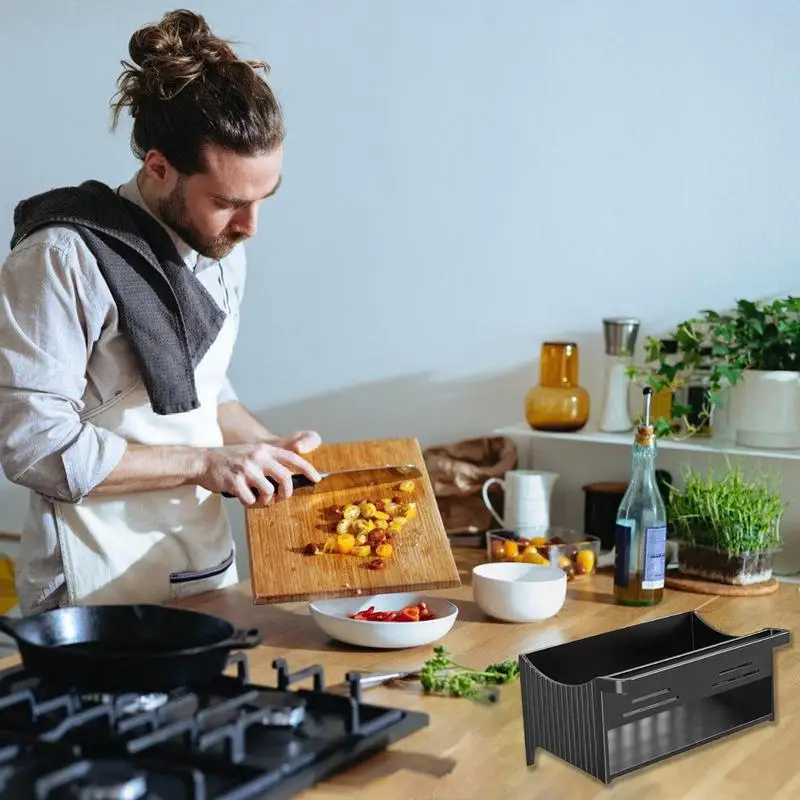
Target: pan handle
243, 639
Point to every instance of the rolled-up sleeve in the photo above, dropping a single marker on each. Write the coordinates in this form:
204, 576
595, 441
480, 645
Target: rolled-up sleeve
48, 322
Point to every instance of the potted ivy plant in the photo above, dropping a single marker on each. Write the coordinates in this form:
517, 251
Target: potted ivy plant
755, 348
727, 528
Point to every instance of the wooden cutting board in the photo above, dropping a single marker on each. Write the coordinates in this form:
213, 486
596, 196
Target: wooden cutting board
688, 583
277, 535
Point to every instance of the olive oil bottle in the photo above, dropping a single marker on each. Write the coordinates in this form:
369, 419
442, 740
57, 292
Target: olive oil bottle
641, 530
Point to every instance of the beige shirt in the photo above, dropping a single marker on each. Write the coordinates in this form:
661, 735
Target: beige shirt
62, 355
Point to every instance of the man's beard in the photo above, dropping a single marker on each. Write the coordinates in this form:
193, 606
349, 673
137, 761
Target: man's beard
172, 211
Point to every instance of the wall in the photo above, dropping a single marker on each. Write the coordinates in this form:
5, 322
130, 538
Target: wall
463, 180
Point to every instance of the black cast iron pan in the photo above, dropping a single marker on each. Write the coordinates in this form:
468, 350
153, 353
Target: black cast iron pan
126, 648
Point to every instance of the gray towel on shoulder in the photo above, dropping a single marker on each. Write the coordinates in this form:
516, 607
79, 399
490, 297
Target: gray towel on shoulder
165, 312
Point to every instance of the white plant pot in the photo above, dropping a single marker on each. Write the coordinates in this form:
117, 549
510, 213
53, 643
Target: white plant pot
765, 409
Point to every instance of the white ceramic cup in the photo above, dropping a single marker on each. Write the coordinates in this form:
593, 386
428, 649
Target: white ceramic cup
526, 501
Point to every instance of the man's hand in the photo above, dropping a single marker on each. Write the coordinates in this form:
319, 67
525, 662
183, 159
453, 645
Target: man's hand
250, 453
236, 468
299, 442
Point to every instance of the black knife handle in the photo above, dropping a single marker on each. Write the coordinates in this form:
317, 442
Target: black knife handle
298, 482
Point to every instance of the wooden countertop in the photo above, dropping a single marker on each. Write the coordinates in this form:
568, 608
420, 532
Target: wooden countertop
470, 750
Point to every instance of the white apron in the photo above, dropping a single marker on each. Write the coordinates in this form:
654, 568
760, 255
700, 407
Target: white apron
149, 547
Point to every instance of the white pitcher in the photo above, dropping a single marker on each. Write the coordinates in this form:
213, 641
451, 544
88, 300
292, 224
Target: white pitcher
526, 498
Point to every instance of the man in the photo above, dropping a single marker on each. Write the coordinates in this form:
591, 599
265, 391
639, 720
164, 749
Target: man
119, 314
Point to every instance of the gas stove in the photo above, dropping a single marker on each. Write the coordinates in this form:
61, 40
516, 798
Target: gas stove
227, 740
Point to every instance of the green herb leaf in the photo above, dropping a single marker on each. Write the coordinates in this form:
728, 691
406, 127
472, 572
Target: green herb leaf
652, 349
441, 675
726, 512
505, 671
756, 335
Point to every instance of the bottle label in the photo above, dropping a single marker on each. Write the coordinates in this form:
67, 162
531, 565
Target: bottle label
622, 552
655, 553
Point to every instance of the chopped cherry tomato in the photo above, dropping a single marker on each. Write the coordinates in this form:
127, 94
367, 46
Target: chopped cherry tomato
408, 614
424, 612
384, 550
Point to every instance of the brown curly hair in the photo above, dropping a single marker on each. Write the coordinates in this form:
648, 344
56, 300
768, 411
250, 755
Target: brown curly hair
187, 88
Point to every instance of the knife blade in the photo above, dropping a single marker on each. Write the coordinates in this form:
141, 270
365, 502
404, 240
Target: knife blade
359, 477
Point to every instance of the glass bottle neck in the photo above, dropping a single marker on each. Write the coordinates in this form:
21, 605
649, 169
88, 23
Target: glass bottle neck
559, 365
644, 463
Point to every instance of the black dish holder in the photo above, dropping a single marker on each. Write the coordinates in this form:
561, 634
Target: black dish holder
613, 703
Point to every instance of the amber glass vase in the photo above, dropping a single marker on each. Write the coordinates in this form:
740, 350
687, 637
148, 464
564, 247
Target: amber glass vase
558, 403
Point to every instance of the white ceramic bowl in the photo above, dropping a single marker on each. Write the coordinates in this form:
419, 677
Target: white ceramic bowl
519, 592
333, 617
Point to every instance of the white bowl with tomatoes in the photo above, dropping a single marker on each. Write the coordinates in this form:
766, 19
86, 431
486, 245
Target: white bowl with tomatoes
386, 621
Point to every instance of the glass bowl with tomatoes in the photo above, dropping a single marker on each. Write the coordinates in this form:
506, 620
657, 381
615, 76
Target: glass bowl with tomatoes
574, 552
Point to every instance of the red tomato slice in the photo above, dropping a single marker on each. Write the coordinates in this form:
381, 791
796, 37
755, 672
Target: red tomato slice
408, 614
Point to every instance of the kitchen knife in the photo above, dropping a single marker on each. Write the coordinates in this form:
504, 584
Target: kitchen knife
350, 478
379, 678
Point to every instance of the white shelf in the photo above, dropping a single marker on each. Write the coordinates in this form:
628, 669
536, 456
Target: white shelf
693, 443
